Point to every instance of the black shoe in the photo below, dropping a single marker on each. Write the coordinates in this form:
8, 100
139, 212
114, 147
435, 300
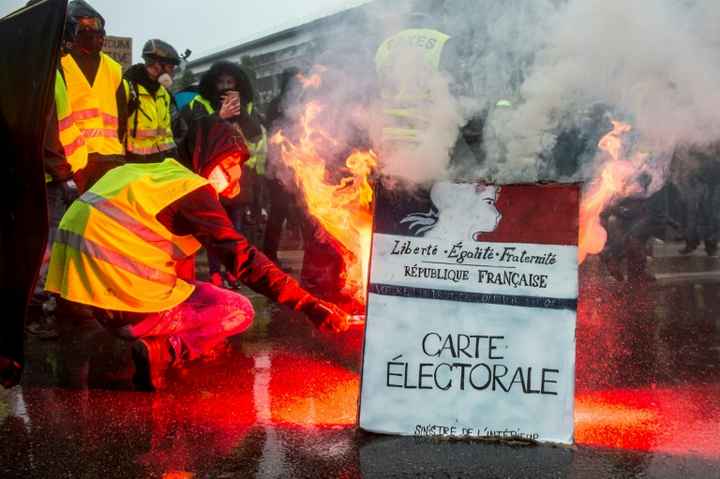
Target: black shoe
711, 248
43, 327
152, 358
689, 247
613, 267
642, 277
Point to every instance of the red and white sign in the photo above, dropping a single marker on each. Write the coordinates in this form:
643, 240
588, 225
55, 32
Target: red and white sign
471, 313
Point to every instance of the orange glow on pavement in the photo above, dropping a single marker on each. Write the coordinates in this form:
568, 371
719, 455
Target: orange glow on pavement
324, 395
679, 420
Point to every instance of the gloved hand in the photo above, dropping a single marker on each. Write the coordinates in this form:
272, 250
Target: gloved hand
326, 316
10, 372
70, 191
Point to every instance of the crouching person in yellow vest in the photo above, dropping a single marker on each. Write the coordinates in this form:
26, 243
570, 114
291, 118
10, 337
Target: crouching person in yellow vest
149, 134
126, 247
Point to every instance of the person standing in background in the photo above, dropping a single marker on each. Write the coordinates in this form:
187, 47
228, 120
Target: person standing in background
701, 193
97, 93
278, 176
149, 134
226, 91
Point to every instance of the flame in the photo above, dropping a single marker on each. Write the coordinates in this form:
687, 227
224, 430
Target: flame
611, 183
343, 209
313, 81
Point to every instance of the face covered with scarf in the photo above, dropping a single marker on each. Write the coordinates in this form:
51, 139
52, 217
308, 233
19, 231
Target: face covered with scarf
218, 153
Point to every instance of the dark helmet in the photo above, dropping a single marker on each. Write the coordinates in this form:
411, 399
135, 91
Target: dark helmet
156, 50
81, 16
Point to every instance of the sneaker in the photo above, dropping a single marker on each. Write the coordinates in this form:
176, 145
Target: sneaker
152, 358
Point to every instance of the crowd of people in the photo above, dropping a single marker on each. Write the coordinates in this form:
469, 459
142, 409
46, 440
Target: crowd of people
136, 187
685, 209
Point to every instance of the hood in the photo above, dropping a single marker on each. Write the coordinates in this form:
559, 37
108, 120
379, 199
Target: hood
208, 82
209, 140
138, 74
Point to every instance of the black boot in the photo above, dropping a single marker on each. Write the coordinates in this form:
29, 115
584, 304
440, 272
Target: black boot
690, 246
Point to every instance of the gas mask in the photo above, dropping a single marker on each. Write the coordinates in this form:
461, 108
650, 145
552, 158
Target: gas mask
226, 181
165, 80
218, 179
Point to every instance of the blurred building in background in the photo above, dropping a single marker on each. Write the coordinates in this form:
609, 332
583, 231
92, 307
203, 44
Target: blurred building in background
300, 45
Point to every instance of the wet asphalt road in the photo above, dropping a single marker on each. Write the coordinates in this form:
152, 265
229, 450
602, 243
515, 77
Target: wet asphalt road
281, 402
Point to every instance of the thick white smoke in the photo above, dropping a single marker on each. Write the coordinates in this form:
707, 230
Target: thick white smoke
562, 67
654, 63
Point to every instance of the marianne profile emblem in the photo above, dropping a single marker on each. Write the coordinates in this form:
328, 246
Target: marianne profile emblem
460, 210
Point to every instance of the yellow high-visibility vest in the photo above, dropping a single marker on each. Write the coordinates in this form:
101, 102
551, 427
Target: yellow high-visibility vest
71, 138
111, 252
149, 128
403, 112
257, 150
94, 107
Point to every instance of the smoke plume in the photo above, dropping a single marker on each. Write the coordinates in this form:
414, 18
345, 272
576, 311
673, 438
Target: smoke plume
562, 68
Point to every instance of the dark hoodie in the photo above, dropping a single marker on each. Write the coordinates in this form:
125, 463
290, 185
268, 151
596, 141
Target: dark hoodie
208, 82
138, 74
249, 122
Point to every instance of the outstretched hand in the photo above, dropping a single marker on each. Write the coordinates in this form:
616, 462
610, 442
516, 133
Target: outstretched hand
328, 317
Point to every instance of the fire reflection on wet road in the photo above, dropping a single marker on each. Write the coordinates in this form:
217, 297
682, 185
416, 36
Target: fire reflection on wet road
282, 402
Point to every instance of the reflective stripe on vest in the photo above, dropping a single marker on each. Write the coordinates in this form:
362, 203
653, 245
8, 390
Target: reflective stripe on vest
149, 126
71, 137
113, 253
258, 152
403, 113
94, 106
204, 102
90, 248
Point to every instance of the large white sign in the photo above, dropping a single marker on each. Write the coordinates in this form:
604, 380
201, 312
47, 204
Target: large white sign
471, 313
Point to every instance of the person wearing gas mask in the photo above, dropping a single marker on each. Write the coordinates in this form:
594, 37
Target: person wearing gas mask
226, 92
149, 134
96, 91
126, 248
